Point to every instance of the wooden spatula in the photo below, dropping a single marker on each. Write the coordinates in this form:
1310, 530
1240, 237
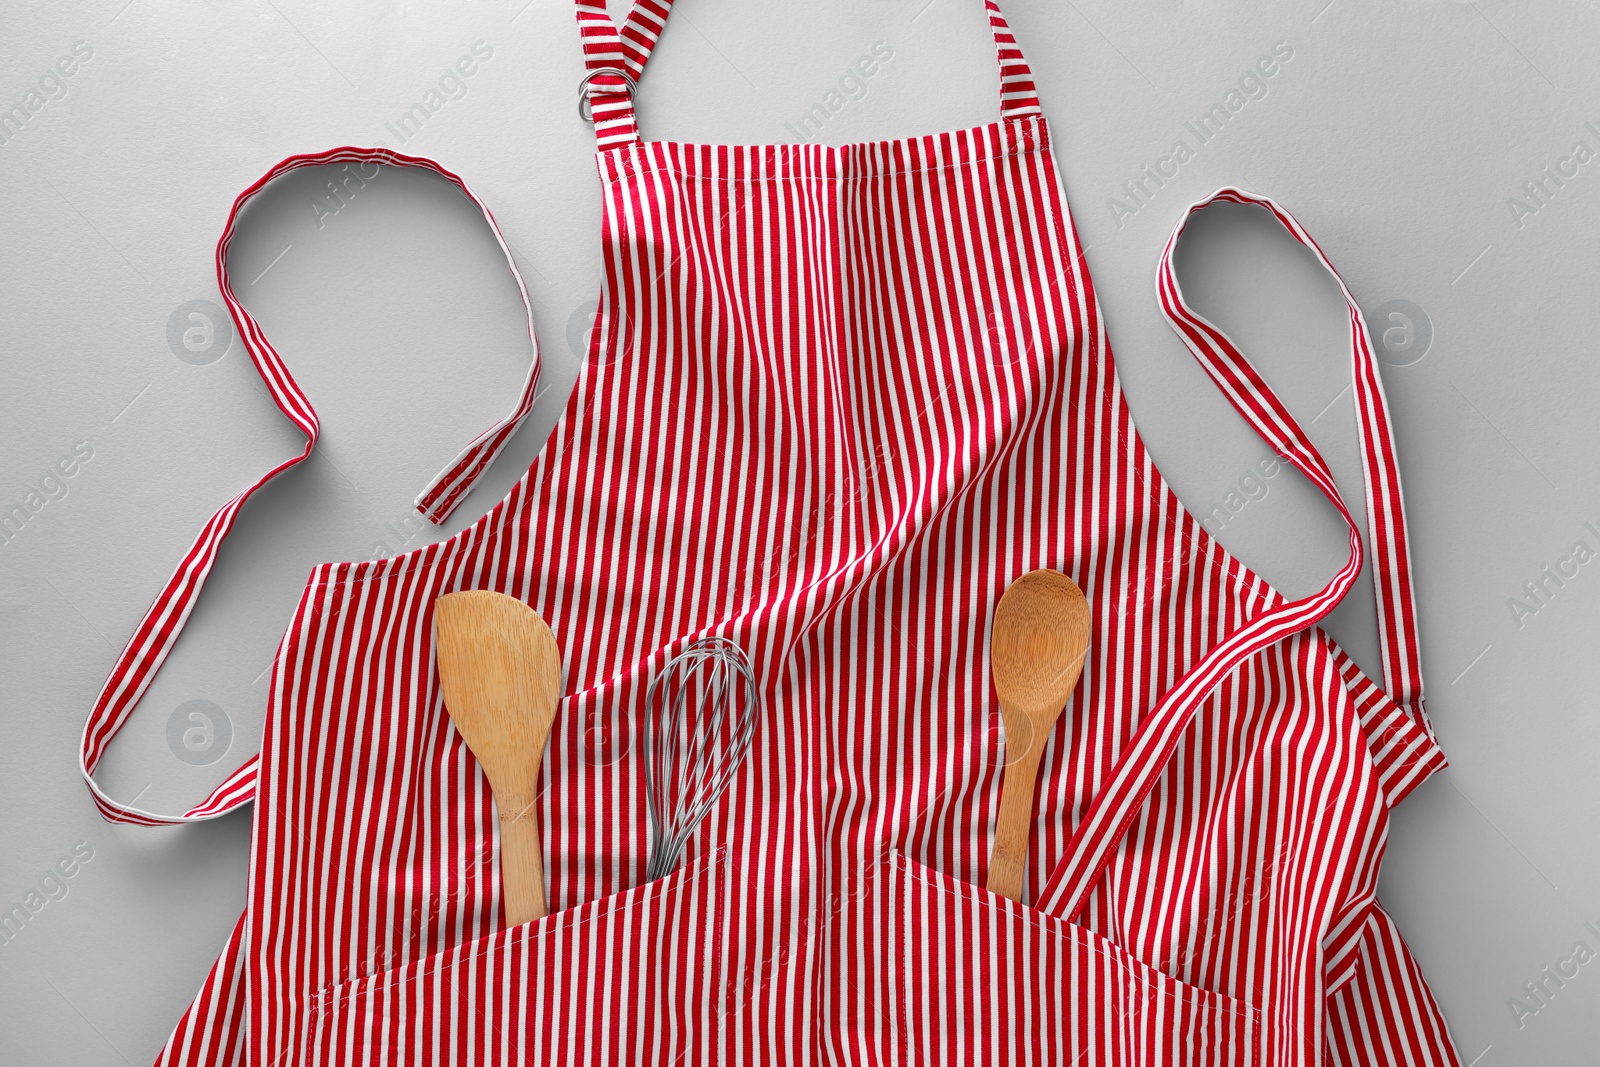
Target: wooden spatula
1041, 633
500, 671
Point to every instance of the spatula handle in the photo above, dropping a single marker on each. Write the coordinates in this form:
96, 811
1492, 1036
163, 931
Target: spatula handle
521, 864
1008, 861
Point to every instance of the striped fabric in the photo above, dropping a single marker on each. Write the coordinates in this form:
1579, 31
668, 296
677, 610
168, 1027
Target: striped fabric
633, 978
1384, 1013
1007, 984
836, 400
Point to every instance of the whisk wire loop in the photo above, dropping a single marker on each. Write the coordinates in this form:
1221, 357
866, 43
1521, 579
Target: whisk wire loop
701, 711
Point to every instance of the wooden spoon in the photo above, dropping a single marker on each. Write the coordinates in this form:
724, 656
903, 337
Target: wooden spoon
500, 671
1041, 633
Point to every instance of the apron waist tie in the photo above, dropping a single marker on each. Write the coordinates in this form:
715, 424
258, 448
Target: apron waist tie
151, 643
1150, 750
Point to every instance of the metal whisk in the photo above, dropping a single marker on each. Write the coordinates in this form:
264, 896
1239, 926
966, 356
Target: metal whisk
700, 713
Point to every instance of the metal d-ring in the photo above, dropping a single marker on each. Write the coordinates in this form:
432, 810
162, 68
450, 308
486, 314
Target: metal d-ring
585, 111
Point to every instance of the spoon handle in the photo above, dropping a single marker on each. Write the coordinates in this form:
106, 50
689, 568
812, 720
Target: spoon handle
521, 864
1008, 861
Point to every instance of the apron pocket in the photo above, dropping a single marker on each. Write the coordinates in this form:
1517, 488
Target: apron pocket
974, 978
633, 977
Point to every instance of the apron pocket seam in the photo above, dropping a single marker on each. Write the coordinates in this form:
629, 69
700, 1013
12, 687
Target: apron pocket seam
1196, 999
502, 939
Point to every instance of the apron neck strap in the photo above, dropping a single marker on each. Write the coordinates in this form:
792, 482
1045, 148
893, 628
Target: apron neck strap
614, 60
1019, 98
1145, 758
156, 635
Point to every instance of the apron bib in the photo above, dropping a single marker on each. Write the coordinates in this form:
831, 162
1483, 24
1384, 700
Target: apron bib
836, 399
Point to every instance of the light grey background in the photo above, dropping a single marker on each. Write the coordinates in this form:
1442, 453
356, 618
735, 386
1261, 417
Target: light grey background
1398, 133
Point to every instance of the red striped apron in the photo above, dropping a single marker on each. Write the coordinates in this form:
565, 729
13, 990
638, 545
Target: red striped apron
836, 400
